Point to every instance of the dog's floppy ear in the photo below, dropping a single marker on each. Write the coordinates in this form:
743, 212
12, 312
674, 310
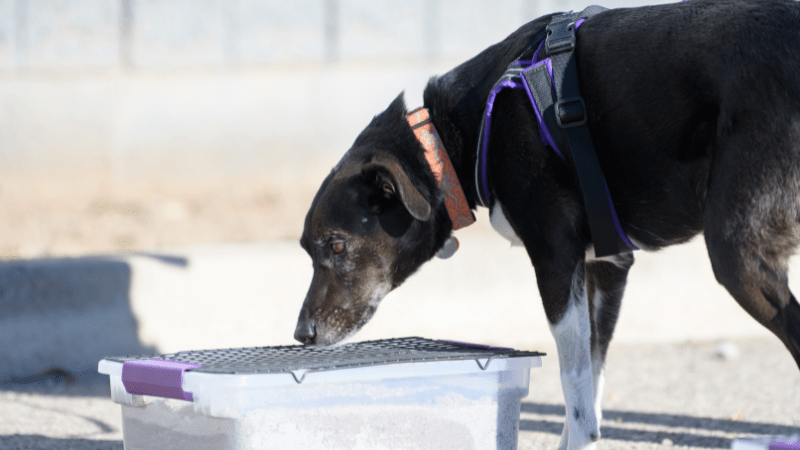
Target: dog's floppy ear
396, 182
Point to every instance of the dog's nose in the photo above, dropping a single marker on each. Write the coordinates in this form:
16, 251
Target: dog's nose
305, 332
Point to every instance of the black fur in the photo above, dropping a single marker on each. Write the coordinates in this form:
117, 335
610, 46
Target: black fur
668, 89
694, 111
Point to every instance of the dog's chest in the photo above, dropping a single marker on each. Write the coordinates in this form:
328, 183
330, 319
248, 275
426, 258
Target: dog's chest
503, 227
500, 224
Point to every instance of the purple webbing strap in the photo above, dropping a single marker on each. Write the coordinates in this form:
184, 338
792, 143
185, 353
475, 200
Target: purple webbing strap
617, 225
546, 138
487, 124
536, 53
157, 377
544, 133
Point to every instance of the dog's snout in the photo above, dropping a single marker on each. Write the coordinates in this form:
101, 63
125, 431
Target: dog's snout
305, 332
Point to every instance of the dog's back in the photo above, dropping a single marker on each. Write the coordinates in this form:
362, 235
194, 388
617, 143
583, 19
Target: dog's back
711, 125
666, 85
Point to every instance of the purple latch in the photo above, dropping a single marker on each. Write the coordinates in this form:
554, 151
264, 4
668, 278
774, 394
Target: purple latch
157, 377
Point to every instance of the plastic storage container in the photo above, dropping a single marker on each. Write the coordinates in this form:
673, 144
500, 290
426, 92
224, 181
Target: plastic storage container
408, 393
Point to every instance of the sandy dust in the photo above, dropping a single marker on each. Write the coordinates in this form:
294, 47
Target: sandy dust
68, 217
72, 217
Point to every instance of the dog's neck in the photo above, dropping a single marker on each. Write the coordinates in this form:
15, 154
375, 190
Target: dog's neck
457, 142
457, 100
439, 161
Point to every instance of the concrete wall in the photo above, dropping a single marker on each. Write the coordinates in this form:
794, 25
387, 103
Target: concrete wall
130, 89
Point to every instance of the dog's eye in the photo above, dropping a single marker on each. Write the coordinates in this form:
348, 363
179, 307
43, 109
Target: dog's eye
387, 188
337, 247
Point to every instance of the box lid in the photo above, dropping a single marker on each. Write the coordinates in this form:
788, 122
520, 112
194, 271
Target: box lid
163, 375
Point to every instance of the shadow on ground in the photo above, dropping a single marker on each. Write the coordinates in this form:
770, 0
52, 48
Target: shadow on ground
95, 385
684, 437
60, 316
38, 442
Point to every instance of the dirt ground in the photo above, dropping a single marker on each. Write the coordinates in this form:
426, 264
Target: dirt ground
657, 396
57, 217
68, 217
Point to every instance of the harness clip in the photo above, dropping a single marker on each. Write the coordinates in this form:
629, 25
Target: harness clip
570, 112
560, 37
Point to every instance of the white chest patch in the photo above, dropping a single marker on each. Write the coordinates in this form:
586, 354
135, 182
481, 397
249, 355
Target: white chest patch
501, 225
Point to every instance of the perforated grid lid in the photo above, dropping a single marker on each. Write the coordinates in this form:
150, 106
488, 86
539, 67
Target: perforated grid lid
312, 359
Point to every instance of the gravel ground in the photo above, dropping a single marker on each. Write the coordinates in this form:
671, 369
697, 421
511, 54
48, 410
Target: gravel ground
52, 218
657, 395
678, 395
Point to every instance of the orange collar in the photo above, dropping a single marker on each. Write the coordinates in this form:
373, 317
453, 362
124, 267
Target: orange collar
454, 199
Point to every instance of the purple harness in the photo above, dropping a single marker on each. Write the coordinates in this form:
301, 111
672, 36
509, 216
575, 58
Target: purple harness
516, 77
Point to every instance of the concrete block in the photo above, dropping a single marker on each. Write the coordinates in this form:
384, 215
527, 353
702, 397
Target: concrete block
381, 30
469, 26
274, 31
252, 122
64, 313
179, 33
578, 5
466, 27
7, 31
46, 125
196, 124
63, 34
538, 8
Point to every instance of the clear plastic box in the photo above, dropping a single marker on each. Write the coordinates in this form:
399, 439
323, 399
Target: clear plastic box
442, 395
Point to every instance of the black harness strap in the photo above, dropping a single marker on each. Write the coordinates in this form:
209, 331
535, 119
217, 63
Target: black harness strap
564, 112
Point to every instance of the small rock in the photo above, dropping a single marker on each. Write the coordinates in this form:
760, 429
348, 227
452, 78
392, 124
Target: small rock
174, 210
667, 442
727, 351
99, 208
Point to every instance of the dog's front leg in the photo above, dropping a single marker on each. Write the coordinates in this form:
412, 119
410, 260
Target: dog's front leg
568, 313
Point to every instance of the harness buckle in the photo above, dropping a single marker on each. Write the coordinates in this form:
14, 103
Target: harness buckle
560, 37
570, 112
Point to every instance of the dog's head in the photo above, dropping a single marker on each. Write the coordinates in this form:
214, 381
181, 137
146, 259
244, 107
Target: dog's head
375, 220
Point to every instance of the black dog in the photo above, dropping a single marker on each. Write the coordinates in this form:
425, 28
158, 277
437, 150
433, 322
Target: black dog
694, 111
